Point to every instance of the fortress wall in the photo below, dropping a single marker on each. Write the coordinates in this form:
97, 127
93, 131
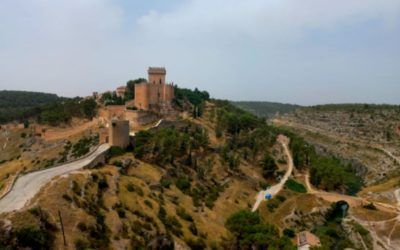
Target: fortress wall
115, 111
169, 93
154, 90
141, 96
139, 117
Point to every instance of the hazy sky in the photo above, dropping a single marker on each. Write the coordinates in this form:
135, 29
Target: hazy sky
296, 51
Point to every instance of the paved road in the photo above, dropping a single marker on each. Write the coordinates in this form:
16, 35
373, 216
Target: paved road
27, 186
273, 190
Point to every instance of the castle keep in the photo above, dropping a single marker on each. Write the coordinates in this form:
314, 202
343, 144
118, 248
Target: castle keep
155, 93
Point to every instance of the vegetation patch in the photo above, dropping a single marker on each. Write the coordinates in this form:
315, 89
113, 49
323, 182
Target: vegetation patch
250, 232
295, 186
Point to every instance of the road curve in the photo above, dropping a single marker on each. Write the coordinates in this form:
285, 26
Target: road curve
273, 190
27, 186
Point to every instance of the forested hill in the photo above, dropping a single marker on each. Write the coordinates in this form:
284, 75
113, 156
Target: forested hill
45, 108
21, 99
266, 109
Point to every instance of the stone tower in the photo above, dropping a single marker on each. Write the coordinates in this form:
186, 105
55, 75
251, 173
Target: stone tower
119, 133
155, 93
156, 75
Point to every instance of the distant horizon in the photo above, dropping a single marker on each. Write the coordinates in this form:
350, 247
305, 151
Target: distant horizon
267, 101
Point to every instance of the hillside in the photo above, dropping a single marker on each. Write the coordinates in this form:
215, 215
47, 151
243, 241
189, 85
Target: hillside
189, 184
22, 106
21, 99
367, 136
265, 109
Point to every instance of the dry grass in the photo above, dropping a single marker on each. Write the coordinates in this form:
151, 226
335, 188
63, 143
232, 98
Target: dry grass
304, 203
372, 215
78, 126
382, 187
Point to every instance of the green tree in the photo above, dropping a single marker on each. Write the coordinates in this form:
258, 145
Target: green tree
130, 88
33, 237
268, 165
89, 107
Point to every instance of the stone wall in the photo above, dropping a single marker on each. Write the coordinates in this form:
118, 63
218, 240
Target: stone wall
142, 96
140, 117
119, 133
115, 111
157, 75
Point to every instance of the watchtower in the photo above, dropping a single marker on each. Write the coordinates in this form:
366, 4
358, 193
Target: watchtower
119, 133
157, 75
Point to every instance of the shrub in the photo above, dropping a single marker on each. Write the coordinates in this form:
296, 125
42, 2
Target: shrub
183, 214
67, 197
82, 226
130, 187
118, 164
81, 244
33, 237
183, 184
295, 186
148, 203
289, 232
165, 183
116, 151
102, 185
268, 166
76, 188
193, 229
370, 206
280, 198
198, 244
121, 212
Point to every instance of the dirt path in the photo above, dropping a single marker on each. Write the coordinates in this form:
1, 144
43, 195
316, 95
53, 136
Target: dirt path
352, 200
27, 186
284, 141
357, 201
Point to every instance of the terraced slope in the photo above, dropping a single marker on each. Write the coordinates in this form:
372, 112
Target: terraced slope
364, 135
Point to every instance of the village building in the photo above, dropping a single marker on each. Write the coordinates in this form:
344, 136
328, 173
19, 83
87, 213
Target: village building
120, 91
307, 240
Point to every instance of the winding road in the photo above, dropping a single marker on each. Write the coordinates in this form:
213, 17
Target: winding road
273, 190
27, 186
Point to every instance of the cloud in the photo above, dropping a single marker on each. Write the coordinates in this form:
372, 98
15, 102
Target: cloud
54, 45
280, 50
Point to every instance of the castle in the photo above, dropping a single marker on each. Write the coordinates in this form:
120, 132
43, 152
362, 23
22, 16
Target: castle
152, 100
154, 94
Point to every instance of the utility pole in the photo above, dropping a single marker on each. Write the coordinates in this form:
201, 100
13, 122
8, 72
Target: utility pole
62, 227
